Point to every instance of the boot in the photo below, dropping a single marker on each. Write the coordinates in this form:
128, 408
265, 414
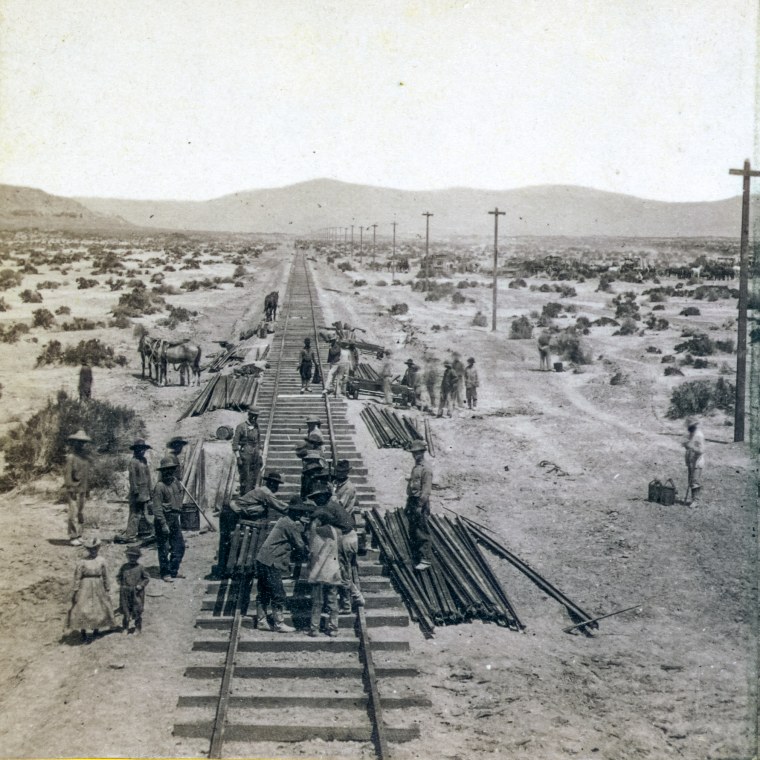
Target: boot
138, 625
279, 623
125, 624
695, 495
261, 619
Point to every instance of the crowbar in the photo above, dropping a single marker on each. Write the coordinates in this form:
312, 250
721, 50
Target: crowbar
601, 617
200, 508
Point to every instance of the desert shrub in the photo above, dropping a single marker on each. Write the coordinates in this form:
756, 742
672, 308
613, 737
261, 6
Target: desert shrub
701, 364
726, 346
619, 378
551, 309
571, 308
544, 321
165, 290
439, 290
521, 328
62, 310
192, 264
480, 320
30, 296
38, 446
240, 271
714, 292
689, 311
29, 268
701, 396
698, 345
626, 306
192, 285
545, 288
3, 304
48, 285
517, 283
83, 283
399, 308
92, 351
81, 323
458, 298
120, 321
345, 266
239, 284
569, 346
10, 279
653, 350
655, 323
169, 268
13, 332
565, 291
668, 359
468, 284
138, 302
658, 307
583, 323
43, 318
177, 314
627, 327
381, 284
605, 284
672, 371
359, 283
438, 328
115, 285
657, 296
157, 278
52, 353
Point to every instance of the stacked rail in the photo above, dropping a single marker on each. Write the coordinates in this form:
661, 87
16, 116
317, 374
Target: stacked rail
353, 688
391, 430
224, 392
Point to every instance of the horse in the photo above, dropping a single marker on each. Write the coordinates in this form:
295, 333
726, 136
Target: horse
270, 305
150, 354
182, 356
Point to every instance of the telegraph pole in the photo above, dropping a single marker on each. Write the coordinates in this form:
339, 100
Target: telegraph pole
393, 255
427, 216
496, 214
741, 338
374, 246
361, 242
352, 242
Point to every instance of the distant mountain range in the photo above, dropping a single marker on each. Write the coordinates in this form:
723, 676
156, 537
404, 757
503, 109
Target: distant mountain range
308, 207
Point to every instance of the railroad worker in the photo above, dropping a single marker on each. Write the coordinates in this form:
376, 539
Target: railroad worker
407, 378
458, 367
174, 447
418, 506
695, 459
544, 351
76, 475
85, 382
333, 359
314, 425
140, 490
272, 562
245, 445
345, 491
306, 362
448, 392
133, 578
471, 383
313, 467
91, 606
432, 380
421, 393
330, 512
324, 575
167, 507
341, 374
258, 505
386, 373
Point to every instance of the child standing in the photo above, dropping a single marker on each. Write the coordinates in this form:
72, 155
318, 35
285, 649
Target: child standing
324, 576
133, 578
91, 607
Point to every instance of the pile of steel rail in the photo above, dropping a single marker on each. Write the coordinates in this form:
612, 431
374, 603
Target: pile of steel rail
460, 585
194, 473
366, 371
229, 354
224, 392
396, 431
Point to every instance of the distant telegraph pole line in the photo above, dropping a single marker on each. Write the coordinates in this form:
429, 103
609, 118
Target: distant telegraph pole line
352, 242
393, 255
374, 244
741, 338
361, 242
427, 216
496, 214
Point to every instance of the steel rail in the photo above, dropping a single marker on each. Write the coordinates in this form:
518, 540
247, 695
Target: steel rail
374, 705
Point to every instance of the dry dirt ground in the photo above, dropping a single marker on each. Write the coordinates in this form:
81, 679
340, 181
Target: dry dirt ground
675, 679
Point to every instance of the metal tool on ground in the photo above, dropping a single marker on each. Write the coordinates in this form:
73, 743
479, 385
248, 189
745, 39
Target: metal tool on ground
601, 617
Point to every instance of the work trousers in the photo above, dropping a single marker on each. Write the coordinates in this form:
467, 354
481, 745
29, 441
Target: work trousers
472, 397
388, 390
249, 465
305, 370
170, 548
419, 530
324, 596
269, 588
545, 358
447, 402
137, 509
75, 501
348, 548
695, 476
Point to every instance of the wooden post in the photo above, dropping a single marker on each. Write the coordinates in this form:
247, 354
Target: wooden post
374, 230
741, 337
361, 242
352, 242
427, 216
393, 255
496, 214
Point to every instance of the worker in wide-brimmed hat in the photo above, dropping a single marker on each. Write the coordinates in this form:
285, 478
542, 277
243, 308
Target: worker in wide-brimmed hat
417, 507
695, 459
306, 361
76, 476
133, 578
344, 492
313, 425
174, 448
246, 443
449, 383
91, 607
140, 491
471, 383
167, 508
386, 375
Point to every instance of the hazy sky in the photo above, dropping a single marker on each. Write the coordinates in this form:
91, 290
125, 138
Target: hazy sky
195, 99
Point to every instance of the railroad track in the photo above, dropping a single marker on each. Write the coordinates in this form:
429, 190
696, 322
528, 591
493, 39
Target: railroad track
254, 692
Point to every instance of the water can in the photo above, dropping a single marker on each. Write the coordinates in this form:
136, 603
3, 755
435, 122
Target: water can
668, 493
558, 367
190, 517
655, 489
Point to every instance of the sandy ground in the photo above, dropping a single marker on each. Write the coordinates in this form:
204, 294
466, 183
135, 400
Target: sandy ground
676, 679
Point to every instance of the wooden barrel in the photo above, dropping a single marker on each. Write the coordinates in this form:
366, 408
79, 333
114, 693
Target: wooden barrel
224, 432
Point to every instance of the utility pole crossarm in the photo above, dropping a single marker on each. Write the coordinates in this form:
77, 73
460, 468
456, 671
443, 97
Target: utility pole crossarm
496, 214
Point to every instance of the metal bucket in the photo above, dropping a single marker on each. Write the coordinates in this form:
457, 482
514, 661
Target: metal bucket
655, 488
668, 493
558, 367
190, 518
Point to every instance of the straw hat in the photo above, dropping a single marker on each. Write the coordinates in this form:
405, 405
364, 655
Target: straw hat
167, 463
140, 444
133, 551
319, 491
177, 439
273, 477
343, 467
80, 435
91, 543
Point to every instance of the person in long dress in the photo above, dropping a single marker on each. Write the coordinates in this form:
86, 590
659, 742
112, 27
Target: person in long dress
91, 606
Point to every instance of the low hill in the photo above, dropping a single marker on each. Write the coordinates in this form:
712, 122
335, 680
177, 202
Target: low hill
28, 207
307, 207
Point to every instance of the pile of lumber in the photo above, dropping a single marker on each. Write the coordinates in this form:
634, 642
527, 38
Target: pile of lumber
224, 392
194, 473
396, 431
366, 371
226, 486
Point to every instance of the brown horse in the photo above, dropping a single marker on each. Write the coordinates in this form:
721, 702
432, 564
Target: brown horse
182, 356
